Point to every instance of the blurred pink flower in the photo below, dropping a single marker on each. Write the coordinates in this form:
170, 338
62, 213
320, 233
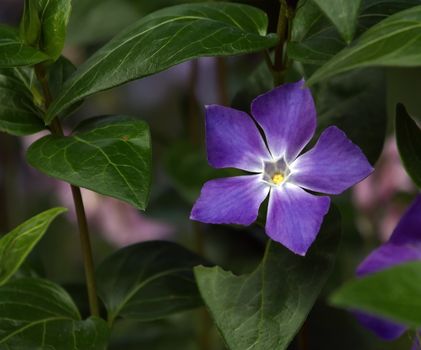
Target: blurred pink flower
118, 222
376, 195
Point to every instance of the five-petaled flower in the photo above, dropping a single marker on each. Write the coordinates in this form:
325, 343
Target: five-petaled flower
403, 246
287, 116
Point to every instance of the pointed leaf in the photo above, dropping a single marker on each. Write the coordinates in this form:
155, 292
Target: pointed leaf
393, 293
315, 40
147, 281
408, 138
343, 14
110, 155
38, 314
18, 113
265, 309
14, 52
395, 41
58, 73
17, 244
166, 38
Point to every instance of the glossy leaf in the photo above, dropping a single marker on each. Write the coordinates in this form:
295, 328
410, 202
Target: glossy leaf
14, 52
395, 41
18, 113
38, 314
44, 24
343, 14
18, 243
265, 309
393, 293
30, 25
408, 137
166, 38
356, 103
147, 281
110, 155
315, 40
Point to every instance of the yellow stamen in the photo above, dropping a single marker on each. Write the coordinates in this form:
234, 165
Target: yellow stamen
277, 178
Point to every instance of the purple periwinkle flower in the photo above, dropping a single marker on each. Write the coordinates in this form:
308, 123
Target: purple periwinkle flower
403, 246
287, 117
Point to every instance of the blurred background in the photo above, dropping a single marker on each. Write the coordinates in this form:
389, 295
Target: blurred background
172, 103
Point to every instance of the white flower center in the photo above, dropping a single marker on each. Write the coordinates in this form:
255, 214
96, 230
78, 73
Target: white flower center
275, 172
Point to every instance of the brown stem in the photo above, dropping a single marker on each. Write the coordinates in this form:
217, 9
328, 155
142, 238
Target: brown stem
221, 67
86, 250
85, 243
192, 123
283, 32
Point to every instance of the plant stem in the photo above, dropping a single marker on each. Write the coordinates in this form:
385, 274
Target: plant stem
56, 129
86, 250
221, 68
283, 32
192, 121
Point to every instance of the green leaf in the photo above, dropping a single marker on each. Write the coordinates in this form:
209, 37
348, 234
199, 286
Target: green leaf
38, 314
18, 113
147, 281
30, 25
96, 21
315, 40
395, 41
18, 243
343, 14
58, 73
265, 309
408, 138
393, 293
356, 103
164, 39
110, 155
14, 52
44, 24
188, 169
